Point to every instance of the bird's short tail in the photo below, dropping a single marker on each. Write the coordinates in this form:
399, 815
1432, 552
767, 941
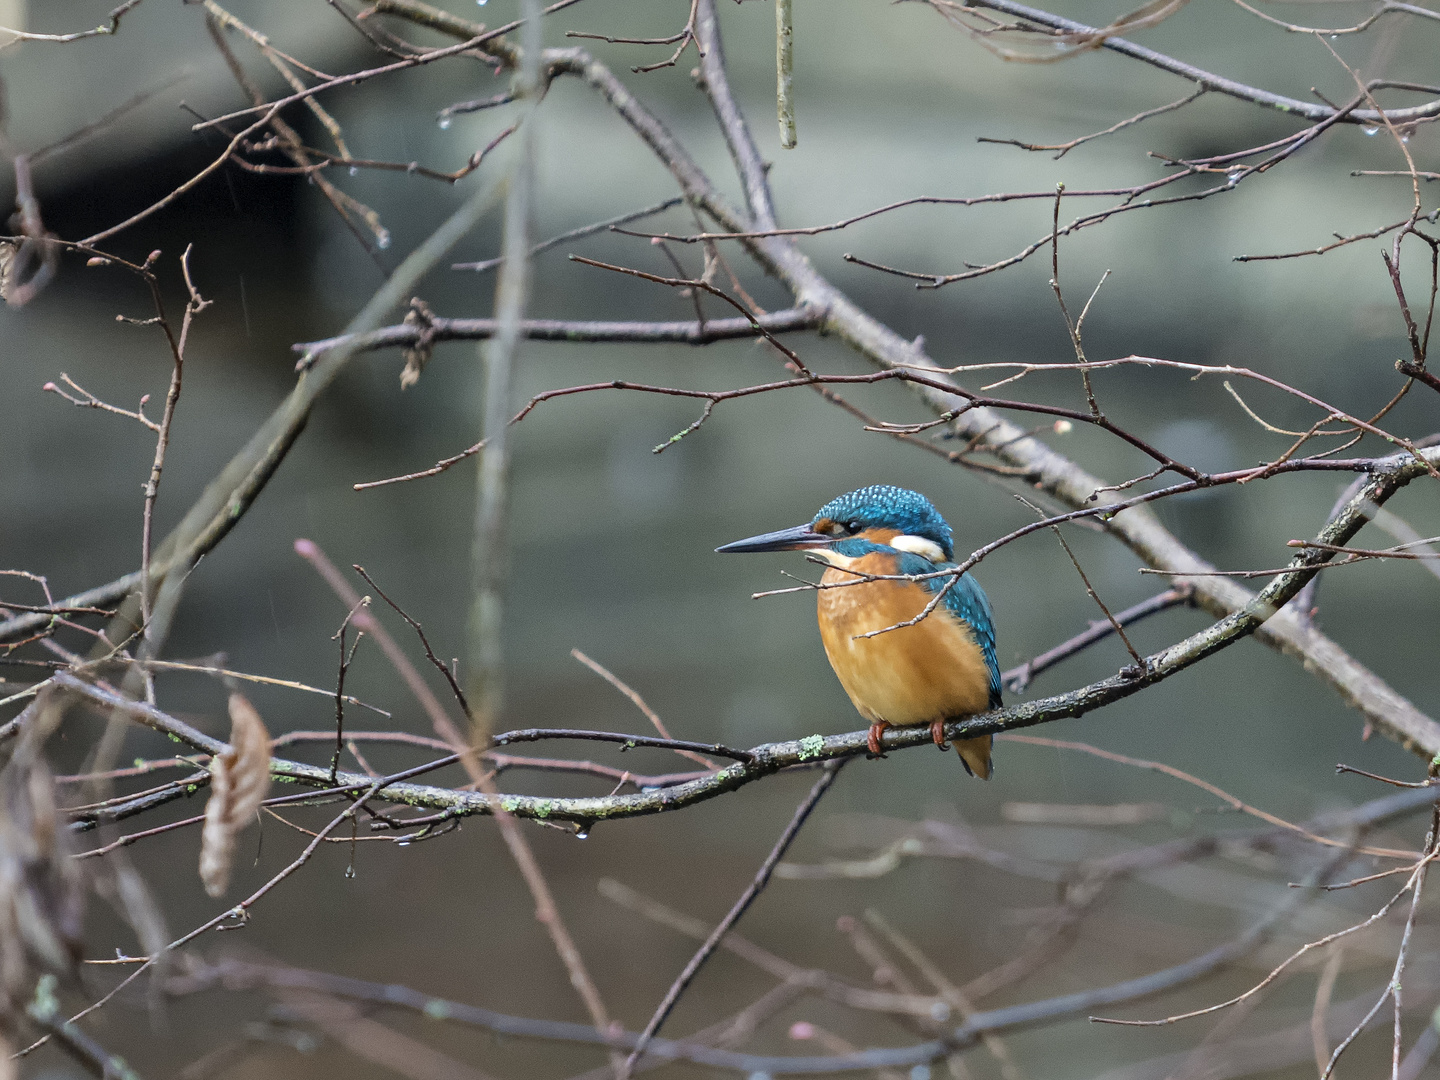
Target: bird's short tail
975, 755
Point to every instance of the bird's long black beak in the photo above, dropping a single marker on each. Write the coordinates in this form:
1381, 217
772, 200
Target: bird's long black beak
801, 536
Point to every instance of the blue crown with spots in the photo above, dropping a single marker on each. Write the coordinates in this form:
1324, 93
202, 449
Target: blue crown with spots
883, 506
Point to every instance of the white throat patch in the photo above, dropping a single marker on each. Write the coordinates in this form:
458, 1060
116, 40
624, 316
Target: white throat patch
918, 545
834, 558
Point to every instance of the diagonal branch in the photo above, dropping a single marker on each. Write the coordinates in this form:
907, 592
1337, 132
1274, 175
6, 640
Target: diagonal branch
1036, 465
1252, 94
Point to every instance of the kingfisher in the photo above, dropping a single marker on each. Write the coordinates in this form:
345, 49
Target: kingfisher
941, 668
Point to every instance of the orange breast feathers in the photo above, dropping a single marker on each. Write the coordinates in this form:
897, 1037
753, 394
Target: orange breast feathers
913, 675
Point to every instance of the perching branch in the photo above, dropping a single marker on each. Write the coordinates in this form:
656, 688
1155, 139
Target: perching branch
770, 758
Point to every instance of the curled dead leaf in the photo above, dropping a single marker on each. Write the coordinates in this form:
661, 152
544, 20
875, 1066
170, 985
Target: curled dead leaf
8, 250
418, 355
41, 892
239, 779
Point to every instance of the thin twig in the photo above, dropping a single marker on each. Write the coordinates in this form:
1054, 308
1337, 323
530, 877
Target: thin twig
1115, 623
1018, 678
753, 890
639, 703
575, 234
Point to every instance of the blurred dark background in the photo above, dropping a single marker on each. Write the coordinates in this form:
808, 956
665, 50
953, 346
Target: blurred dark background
610, 545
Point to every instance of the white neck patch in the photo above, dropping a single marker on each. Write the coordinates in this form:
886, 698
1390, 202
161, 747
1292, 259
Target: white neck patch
918, 545
834, 558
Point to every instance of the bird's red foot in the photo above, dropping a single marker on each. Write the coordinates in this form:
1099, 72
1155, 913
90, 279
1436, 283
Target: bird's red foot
937, 732
877, 729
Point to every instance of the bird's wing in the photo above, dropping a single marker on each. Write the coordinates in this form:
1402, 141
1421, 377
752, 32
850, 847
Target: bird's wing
967, 601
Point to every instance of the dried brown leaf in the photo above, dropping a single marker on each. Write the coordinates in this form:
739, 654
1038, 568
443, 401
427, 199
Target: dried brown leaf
418, 355
41, 893
239, 779
8, 250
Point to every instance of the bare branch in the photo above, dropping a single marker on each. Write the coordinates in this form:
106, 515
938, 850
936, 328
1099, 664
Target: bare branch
1256, 96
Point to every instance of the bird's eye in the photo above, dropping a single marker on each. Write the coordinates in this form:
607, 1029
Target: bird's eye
853, 526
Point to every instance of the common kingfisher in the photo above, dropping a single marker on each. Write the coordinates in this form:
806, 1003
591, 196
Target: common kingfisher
940, 668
